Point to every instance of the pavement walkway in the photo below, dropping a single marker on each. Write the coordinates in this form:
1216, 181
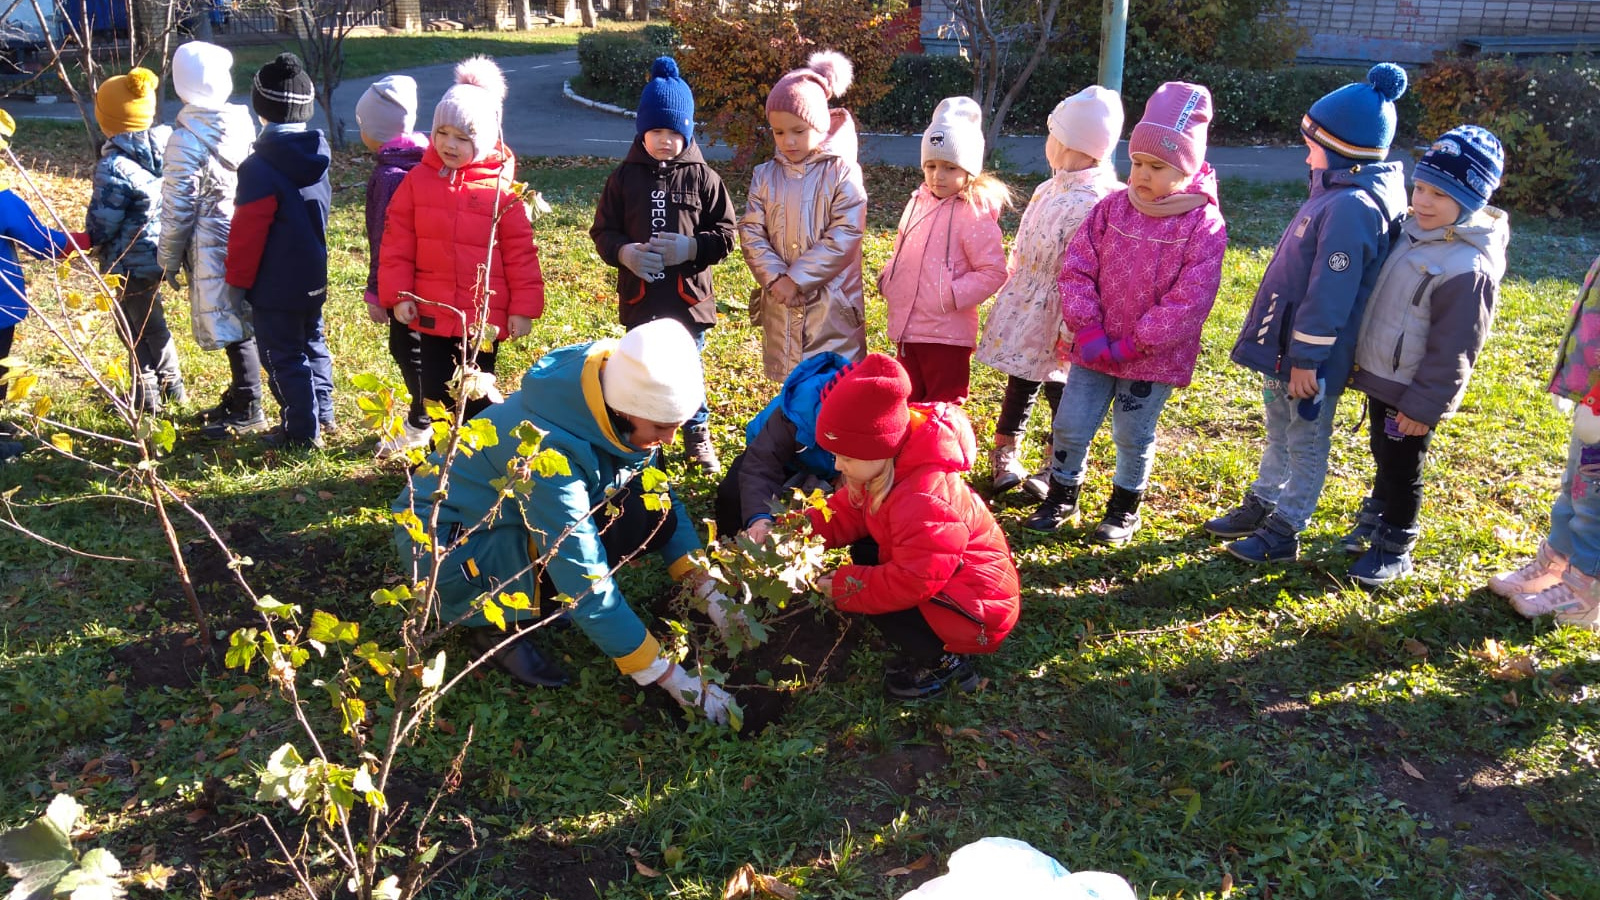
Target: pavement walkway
541, 121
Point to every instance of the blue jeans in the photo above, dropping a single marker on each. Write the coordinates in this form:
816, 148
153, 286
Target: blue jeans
1575, 517
704, 412
1084, 401
1294, 463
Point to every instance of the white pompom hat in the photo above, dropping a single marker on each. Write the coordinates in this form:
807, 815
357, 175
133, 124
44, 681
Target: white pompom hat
655, 373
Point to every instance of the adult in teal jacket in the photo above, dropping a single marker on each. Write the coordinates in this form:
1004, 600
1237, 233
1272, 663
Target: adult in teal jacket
606, 407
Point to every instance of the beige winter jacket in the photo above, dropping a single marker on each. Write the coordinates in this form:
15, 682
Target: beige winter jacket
805, 220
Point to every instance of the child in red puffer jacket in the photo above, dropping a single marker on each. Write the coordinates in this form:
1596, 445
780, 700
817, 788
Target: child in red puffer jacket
437, 238
941, 583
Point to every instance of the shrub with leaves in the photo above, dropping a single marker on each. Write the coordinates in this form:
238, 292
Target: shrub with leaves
615, 65
41, 857
1546, 113
732, 57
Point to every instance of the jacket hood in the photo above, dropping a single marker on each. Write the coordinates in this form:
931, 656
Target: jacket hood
691, 155
227, 133
1489, 230
479, 170
404, 151
544, 398
301, 156
1385, 182
839, 143
146, 148
940, 438
801, 397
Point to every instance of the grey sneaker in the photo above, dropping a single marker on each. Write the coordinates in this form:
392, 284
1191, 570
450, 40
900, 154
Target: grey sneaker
699, 451
1243, 520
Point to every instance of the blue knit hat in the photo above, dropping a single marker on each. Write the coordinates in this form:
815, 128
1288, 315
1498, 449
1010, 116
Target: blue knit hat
1356, 121
1466, 163
667, 101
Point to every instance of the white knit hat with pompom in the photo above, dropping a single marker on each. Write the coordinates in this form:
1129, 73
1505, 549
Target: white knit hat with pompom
804, 92
473, 104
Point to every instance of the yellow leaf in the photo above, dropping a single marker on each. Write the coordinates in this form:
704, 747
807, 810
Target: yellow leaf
102, 301
61, 442
155, 877
20, 387
41, 406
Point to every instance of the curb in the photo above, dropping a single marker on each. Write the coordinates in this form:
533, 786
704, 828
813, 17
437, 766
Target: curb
575, 97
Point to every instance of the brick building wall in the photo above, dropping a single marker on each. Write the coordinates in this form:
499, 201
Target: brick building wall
1412, 30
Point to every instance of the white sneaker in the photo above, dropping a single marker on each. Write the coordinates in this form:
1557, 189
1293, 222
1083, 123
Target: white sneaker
1584, 611
409, 438
1541, 573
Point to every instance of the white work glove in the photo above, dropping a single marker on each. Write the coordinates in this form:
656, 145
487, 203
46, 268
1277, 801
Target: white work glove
675, 249
642, 261
688, 690
725, 613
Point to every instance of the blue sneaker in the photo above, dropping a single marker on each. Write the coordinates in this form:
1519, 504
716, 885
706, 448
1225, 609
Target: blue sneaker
1388, 558
1265, 545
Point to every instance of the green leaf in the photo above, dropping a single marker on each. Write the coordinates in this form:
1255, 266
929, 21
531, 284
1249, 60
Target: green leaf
515, 600
394, 596
433, 673
550, 463
327, 628
100, 862
276, 608
529, 437
479, 434
367, 381
494, 614
408, 520
284, 778
242, 649
653, 480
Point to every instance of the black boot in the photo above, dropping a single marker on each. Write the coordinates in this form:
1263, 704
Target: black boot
216, 413
1060, 505
520, 659
242, 417
1122, 516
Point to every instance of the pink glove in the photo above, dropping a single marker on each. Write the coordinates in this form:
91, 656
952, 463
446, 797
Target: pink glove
1122, 350
375, 310
1092, 344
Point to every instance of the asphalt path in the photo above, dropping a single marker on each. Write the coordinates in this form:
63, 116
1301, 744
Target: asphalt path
540, 120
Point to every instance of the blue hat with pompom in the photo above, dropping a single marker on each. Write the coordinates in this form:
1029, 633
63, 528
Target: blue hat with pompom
1466, 163
667, 101
1357, 121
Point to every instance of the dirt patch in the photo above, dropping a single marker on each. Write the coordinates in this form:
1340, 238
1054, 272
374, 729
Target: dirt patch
1472, 800
549, 865
767, 680
174, 658
900, 769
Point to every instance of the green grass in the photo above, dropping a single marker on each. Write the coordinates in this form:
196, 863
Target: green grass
1161, 711
366, 55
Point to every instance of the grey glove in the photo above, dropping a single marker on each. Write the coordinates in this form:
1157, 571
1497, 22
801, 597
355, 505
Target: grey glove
675, 249
642, 261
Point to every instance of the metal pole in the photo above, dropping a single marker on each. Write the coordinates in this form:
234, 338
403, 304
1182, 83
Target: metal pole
1113, 38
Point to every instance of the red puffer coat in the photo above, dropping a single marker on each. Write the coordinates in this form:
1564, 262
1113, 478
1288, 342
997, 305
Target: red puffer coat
436, 237
939, 549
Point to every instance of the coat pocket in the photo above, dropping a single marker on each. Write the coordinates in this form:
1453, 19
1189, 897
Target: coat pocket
757, 298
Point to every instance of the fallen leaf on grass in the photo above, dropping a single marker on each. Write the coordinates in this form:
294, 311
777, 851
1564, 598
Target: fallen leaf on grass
1411, 770
638, 864
748, 883
1514, 669
750, 781
1511, 699
1227, 885
916, 865
1415, 647
1504, 535
155, 877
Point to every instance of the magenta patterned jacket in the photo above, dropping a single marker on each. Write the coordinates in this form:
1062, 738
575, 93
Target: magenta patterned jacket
949, 256
1146, 278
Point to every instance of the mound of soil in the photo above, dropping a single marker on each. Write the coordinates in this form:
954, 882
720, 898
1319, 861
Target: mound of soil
803, 652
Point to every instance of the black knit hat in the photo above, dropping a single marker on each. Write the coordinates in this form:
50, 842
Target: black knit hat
282, 91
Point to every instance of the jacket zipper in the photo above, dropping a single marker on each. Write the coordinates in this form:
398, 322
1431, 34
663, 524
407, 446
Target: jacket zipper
944, 602
1416, 300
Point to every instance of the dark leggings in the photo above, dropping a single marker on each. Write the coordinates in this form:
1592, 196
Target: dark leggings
907, 629
1018, 404
6, 334
405, 347
440, 357
1397, 481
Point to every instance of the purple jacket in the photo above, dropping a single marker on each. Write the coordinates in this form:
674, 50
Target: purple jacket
395, 159
1146, 278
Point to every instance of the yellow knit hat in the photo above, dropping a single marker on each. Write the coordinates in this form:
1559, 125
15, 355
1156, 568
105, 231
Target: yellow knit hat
127, 102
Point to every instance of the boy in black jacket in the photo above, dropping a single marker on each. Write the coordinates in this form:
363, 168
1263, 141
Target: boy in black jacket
664, 219
278, 251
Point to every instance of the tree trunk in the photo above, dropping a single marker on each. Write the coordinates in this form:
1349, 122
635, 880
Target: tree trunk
586, 9
523, 13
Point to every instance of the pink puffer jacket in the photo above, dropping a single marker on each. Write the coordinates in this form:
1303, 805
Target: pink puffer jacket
949, 257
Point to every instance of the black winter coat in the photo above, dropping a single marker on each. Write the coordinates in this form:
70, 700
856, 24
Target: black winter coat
646, 196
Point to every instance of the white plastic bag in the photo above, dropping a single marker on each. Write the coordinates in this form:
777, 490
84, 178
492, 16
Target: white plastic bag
1013, 869
1586, 425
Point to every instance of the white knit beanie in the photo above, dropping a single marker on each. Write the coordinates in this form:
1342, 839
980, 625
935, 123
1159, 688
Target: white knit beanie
1089, 122
655, 373
202, 74
473, 104
388, 109
956, 134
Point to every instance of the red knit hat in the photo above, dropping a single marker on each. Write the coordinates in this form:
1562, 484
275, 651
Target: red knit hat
864, 413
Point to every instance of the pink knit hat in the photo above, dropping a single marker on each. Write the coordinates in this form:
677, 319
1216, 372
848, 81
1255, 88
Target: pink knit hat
1174, 126
804, 92
473, 104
